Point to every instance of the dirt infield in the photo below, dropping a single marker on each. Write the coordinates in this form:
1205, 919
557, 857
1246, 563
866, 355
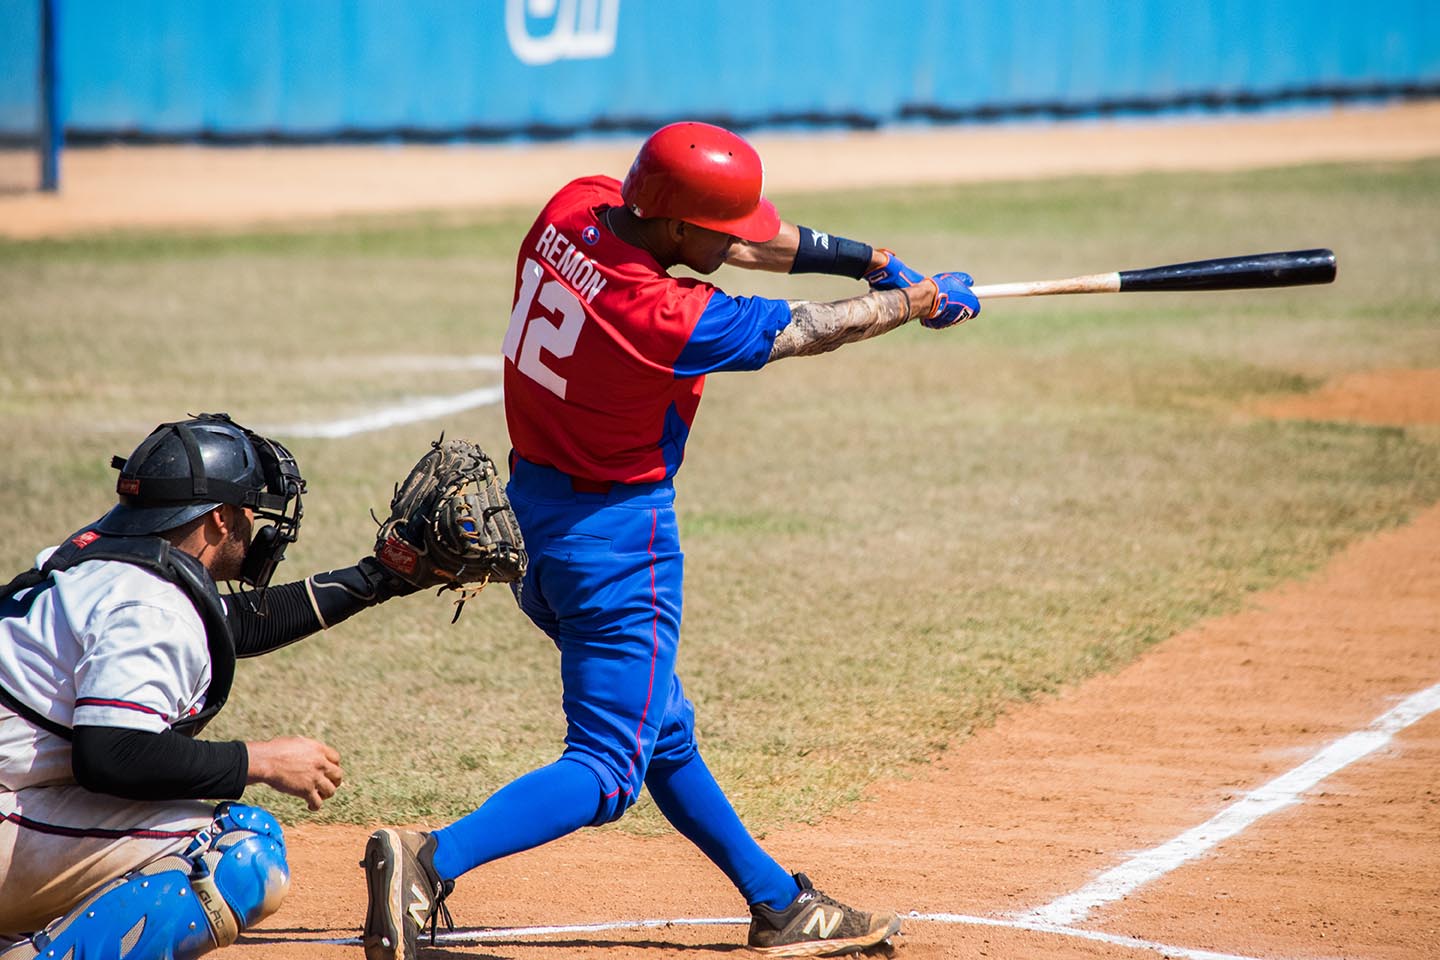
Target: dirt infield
1057, 793
1371, 396
111, 188
983, 843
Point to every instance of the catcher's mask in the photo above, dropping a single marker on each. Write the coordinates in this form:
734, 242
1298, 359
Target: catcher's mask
187, 468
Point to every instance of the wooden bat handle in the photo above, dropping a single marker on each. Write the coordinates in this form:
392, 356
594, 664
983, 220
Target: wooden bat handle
1093, 283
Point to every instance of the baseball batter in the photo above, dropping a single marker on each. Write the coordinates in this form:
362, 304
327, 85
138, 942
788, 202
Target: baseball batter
605, 359
115, 650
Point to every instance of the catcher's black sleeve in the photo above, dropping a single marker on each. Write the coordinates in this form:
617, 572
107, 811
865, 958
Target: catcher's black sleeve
287, 616
293, 611
139, 765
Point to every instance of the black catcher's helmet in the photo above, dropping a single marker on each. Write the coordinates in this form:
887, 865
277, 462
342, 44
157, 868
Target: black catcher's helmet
187, 468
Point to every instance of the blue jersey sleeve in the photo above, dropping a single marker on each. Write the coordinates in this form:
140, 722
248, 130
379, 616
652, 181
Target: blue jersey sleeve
733, 333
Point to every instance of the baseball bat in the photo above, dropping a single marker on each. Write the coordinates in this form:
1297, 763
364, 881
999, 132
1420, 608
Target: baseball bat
1290, 268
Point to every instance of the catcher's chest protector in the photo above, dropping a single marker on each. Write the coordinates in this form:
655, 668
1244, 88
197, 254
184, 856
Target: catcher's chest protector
175, 566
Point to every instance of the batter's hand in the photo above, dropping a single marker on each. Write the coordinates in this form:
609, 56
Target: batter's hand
299, 766
892, 274
955, 302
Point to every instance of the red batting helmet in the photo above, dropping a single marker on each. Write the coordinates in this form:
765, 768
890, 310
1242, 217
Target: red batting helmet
703, 175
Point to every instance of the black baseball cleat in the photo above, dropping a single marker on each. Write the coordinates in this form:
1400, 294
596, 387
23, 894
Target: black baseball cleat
815, 925
405, 893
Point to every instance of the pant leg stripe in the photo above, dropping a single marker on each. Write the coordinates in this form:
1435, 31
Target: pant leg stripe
99, 833
654, 649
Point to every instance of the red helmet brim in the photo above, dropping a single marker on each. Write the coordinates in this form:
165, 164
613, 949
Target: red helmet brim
759, 226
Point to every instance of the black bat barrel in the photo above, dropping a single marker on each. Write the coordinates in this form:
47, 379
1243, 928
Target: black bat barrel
1291, 268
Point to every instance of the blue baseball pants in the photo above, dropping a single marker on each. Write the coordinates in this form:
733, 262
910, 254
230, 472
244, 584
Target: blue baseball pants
605, 583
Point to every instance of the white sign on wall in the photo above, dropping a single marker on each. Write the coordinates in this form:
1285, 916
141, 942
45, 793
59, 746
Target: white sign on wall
543, 31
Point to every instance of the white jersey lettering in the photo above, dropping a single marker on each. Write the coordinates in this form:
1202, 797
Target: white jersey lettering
542, 246
596, 285
577, 270
557, 249
581, 275
568, 264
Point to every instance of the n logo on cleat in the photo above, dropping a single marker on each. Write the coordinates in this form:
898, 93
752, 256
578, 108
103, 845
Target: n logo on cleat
419, 907
822, 922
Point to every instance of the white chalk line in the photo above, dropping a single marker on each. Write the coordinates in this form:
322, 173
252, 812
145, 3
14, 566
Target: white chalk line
1114, 939
412, 410
1055, 918
502, 934
489, 934
1279, 793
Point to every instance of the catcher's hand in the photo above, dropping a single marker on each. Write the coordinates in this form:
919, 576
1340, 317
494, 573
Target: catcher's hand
450, 523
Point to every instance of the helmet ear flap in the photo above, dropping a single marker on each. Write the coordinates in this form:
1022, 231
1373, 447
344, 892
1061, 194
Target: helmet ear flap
266, 551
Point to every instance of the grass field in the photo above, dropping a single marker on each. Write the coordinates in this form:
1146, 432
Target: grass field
886, 546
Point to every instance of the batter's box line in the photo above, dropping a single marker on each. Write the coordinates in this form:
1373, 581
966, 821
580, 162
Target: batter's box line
413, 410
1099, 936
1113, 885
483, 935
1283, 791
408, 410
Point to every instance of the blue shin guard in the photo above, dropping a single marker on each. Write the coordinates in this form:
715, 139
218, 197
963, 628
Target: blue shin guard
244, 876
236, 816
151, 913
180, 906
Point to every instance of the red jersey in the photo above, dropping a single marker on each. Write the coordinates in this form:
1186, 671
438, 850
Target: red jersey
606, 353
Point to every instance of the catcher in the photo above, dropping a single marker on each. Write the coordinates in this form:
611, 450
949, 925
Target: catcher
117, 648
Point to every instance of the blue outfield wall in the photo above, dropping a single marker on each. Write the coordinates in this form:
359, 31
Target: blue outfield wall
321, 69
19, 66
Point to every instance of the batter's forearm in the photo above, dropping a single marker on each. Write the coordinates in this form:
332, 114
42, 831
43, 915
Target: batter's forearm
775, 256
821, 327
778, 255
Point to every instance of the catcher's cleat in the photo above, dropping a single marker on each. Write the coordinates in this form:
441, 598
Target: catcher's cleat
405, 893
815, 925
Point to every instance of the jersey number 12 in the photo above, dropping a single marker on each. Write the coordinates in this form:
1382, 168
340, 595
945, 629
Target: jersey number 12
538, 331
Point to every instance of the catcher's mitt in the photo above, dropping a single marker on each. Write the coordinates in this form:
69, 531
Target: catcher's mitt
450, 524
